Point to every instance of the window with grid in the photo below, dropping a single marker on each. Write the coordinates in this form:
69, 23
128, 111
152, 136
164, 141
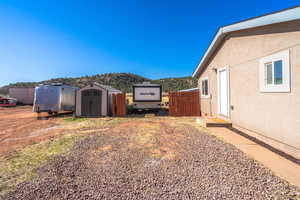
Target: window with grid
275, 73
204, 87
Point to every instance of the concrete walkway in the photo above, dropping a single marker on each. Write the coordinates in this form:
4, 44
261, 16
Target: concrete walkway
280, 166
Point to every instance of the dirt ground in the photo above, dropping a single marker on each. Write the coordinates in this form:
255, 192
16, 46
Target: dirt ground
19, 127
152, 158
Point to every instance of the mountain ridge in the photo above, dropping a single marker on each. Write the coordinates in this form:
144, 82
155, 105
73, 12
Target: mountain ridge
121, 81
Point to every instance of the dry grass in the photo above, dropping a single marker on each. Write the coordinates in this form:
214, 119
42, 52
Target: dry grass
152, 136
21, 166
158, 158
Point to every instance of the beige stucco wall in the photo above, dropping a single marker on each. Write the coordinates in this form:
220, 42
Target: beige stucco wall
104, 100
274, 115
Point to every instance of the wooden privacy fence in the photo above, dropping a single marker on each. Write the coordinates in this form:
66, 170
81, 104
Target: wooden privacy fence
184, 103
119, 105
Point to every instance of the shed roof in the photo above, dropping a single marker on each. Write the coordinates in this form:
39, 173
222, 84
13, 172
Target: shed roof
146, 84
286, 15
107, 87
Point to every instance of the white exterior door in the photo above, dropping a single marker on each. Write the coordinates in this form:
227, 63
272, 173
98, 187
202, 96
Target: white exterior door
223, 87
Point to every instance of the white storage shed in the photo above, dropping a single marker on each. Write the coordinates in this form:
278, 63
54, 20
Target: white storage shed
95, 100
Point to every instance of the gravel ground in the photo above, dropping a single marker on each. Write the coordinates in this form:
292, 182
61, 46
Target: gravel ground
154, 159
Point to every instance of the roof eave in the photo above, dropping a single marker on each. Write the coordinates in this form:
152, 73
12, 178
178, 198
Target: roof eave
275, 18
209, 51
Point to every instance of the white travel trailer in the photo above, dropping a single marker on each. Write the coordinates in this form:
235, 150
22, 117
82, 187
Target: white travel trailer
147, 96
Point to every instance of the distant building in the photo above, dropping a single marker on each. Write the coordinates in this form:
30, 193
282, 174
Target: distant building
24, 95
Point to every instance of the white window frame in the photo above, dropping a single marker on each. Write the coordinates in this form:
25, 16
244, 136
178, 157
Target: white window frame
208, 94
286, 85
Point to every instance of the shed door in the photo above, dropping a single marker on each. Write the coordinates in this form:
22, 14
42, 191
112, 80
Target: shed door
91, 101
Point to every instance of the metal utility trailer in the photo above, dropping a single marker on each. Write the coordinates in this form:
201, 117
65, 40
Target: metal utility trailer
147, 96
54, 98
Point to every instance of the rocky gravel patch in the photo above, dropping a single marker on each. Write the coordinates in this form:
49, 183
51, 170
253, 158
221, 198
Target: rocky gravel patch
164, 161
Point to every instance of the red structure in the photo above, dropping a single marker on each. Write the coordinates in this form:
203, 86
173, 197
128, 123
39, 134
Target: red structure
119, 105
184, 103
7, 102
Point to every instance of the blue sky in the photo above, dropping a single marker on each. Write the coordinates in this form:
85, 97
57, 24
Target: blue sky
43, 39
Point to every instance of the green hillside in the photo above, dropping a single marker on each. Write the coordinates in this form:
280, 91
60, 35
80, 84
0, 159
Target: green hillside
121, 81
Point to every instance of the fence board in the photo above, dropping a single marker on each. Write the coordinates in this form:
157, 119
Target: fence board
184, 103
